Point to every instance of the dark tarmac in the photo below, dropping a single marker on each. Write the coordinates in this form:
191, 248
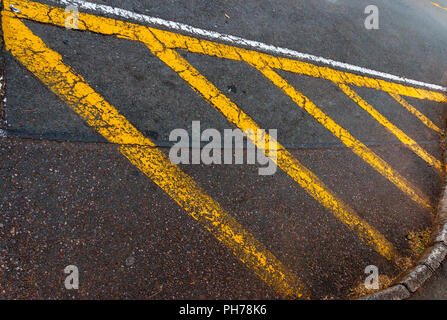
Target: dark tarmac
67, 197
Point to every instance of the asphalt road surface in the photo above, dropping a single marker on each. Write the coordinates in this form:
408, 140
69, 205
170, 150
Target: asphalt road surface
362, 174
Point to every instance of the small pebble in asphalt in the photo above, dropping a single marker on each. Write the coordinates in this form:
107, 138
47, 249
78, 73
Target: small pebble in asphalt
130, 261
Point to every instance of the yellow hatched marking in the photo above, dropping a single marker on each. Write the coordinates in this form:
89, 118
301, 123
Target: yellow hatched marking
102, 25
56, 16
351, 142
426, 121
399, 134
284, 159
439, 6
200, 46
70, 87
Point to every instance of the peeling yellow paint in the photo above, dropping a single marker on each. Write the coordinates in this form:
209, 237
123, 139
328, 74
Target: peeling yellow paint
56, 16
399, 134
70, 87
351, 142
304, 177
284, 159
426, 121
439, 6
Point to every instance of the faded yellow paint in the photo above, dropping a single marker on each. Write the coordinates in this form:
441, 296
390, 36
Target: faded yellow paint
219, 50
439, 6
71, 88
149, 36
284, 159
426, 121
43, 13
351, 142
399, 134
161, 44
56, 16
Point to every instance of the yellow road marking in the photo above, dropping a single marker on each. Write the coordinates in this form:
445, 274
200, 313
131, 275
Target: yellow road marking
200, 46
439, 6
399, 134
416, 113
56, 16
70, 87
352, 143
284, 159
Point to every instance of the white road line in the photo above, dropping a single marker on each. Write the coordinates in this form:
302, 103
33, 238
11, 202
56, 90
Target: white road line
2, 90
239, 41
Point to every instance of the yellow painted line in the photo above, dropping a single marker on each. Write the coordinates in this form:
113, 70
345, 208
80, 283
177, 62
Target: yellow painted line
399, 134
70, 87
200, 46
303, 176
56, 16
439, 6
284, 159
426, 121
351, 142
107, 26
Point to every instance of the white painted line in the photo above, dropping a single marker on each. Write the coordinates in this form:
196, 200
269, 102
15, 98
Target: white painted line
239, 41
2, 88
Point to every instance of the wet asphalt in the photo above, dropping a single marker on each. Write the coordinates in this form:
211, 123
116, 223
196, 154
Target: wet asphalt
69, 198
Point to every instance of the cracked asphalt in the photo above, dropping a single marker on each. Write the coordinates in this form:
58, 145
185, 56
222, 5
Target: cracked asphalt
69, 197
